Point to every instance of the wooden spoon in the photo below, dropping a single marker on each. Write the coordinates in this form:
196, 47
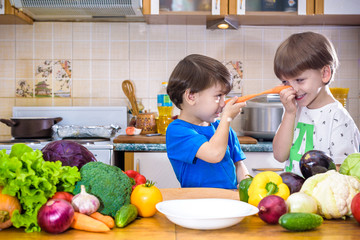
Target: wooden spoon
274, 90
129, 90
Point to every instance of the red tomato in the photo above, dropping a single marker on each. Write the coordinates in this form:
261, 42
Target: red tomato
63, 195
130, 130
355, 207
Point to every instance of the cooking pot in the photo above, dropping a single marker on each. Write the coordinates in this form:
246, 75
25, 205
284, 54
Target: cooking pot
262, 116
30, 127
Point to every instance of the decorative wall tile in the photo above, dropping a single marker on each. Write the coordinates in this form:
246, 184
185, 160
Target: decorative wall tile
24, 88
43, 88
235, 67
62, 78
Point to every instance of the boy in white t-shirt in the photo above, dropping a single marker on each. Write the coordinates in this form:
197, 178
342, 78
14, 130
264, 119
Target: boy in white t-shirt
313, 118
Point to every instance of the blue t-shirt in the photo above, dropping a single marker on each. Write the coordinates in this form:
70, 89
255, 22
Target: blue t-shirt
184, 139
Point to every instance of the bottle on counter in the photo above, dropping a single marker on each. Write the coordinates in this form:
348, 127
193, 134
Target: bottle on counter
165, 109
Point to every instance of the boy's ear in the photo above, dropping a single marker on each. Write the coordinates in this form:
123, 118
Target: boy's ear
326, 74
189, 97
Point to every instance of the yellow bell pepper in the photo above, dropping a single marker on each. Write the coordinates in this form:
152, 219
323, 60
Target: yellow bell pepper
265, 184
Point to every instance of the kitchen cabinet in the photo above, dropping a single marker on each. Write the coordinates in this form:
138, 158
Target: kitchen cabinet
185, 7
261, 161
11, 15
333, 7
235, 9
157, 168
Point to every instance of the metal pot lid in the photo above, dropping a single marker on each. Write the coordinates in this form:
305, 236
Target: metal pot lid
269, 100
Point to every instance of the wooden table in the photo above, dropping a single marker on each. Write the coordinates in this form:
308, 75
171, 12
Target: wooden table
159, 227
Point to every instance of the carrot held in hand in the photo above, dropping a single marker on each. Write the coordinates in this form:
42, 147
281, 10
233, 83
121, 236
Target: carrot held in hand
275, 90
87, 223
108, 220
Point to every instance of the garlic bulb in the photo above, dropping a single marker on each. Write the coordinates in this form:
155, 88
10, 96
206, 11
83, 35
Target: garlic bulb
84, 202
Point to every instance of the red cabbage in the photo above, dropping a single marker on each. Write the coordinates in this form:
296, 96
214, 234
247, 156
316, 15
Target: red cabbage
70, 153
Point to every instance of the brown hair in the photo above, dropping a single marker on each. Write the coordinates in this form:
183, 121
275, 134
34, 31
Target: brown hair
197, 73
304, 51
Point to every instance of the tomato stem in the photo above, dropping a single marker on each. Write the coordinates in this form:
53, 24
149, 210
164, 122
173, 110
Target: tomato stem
149, 183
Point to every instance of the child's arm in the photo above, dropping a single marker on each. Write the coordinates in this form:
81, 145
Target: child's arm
214, 150
284, 136
241, 171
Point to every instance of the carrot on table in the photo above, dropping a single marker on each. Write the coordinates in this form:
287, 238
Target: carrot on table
84, 222
108, 220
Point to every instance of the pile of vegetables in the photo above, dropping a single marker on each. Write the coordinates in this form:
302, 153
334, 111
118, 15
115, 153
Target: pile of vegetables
24, 174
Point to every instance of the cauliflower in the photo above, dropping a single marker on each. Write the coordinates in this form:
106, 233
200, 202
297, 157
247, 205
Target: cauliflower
333, 192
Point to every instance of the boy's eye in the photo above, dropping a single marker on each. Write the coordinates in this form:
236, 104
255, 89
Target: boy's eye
299, 79
285, 82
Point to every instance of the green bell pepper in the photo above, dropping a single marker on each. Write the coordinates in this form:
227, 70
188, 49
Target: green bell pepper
243, 188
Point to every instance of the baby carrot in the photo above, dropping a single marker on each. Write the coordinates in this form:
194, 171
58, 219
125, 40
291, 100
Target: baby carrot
86, 223
108, 220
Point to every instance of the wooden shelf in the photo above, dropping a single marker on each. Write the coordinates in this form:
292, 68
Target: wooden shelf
14, 16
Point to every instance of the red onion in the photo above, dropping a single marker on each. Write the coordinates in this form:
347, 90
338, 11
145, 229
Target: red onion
55, 216
271, 208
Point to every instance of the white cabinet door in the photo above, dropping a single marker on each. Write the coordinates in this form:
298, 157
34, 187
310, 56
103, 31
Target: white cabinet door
344, 7
259, 160
156, 167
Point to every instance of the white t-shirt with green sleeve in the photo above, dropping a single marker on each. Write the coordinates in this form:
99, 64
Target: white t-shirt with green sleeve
329, 129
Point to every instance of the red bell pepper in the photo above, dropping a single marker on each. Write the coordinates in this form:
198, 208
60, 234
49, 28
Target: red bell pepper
135, 177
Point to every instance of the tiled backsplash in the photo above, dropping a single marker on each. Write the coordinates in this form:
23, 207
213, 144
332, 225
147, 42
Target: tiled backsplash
89, 61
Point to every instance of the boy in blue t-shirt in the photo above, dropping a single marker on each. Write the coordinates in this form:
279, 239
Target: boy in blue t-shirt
203, 151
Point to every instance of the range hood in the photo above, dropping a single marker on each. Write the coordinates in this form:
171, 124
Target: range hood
81, 10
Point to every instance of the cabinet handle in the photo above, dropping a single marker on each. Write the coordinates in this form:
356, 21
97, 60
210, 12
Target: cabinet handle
268, 169
137, 166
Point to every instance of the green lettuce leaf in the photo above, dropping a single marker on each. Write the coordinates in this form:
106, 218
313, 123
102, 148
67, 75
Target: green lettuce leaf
25, 174
351, 165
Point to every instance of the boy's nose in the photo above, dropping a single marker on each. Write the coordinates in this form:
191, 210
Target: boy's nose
222, 101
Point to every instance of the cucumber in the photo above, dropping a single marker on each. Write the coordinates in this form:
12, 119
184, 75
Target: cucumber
300, 221
125, 215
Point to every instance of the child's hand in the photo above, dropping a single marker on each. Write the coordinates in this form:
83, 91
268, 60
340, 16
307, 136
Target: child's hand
232, 109
287, 97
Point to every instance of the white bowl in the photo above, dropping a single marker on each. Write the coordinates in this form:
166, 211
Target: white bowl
207, 213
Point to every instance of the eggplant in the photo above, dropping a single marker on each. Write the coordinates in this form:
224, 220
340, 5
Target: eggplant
314, 162
293, 181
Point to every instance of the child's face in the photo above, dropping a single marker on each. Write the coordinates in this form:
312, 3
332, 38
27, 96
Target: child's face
209, 104
308, 87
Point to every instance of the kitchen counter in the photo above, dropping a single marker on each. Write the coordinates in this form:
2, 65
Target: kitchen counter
157, 144
159, 227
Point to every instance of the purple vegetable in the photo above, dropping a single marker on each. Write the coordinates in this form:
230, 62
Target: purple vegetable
293, 181
55, 216
68, 152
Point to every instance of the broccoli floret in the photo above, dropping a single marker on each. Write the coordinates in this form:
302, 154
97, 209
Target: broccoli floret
108, 183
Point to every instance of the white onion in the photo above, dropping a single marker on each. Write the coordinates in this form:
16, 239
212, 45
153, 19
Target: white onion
301, 202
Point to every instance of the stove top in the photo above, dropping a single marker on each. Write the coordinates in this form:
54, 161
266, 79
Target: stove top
25, 140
